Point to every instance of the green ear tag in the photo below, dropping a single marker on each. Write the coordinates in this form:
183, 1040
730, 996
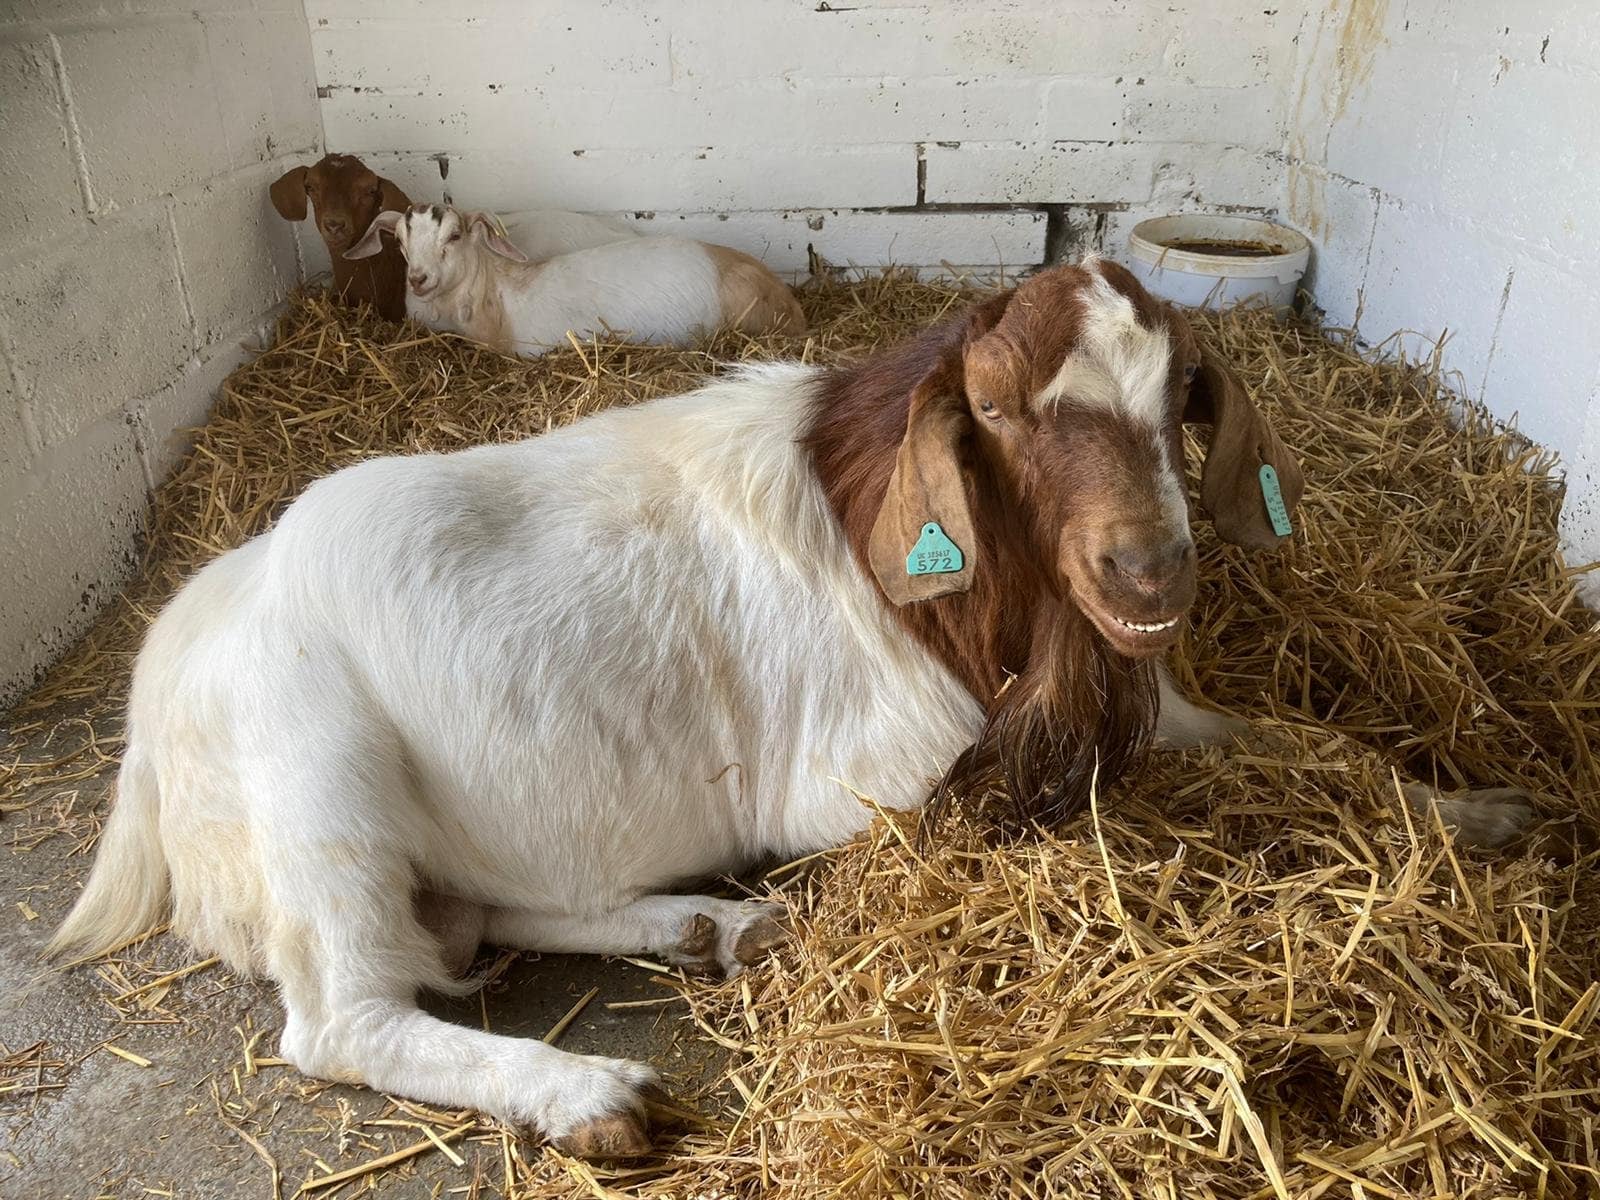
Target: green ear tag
1273, 495
934, 554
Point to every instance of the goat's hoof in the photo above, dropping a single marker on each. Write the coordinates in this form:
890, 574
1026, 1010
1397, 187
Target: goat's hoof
1259, 738
621, 1135
699, 941
759, 938
731, 936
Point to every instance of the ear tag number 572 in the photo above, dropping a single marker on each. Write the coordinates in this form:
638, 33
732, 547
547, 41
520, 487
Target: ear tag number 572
934, 553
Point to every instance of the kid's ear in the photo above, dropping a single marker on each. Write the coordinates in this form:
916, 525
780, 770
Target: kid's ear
289, 195
371, 242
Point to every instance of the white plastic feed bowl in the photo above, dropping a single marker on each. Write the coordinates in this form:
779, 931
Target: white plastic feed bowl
1205, 261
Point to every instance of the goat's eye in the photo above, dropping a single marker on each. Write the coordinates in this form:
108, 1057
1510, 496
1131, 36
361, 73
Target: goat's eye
987, 408
454, 237
1189, 372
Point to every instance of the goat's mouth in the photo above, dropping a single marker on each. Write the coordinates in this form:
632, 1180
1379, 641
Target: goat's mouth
1130, 637
420, 290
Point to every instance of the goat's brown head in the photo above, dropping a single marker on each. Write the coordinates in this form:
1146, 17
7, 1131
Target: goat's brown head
345, 196
1070, 394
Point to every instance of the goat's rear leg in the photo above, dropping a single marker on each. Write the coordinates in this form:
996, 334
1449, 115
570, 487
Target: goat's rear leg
698, 932
349, 988
350, 956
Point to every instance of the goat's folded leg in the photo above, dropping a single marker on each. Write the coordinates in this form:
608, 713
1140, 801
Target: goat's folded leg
1181, 724
698, 932
1487, 818
350, 956
584, 1104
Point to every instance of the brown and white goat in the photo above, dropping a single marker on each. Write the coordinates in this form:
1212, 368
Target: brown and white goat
519, 676
466, 277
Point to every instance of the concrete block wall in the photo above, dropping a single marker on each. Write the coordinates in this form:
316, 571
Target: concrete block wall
1438, 154
939, 133
137, 253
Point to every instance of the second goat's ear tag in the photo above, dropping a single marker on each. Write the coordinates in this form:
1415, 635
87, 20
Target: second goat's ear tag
936, 554
1273, 495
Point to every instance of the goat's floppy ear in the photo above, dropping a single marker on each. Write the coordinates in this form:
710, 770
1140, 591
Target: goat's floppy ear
371, 242
1231, 486
289, 195
486, 227
925, 509
391, 198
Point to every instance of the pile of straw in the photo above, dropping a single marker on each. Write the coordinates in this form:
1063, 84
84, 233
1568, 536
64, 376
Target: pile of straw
1238, 975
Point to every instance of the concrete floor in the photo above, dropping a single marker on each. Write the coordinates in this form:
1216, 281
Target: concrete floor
78, 1121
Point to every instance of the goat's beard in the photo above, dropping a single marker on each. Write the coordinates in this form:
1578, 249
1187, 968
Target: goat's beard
1079, 717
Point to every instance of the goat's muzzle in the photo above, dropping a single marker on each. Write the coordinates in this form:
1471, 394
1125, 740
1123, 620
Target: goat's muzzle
337, 232
1137, 588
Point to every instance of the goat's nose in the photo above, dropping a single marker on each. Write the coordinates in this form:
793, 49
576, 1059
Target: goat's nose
1150, 567
417, 279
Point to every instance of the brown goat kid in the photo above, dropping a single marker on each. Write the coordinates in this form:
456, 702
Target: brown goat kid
345, 197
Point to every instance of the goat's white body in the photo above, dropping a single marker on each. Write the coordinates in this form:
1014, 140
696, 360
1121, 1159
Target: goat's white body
553, 677
655, 290
546, 233
548, 680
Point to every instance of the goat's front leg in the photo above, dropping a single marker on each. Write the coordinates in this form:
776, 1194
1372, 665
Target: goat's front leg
1483, 817
1181, 725
698, 932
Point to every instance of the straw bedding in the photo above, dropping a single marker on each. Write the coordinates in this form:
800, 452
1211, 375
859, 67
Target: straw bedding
1238, 975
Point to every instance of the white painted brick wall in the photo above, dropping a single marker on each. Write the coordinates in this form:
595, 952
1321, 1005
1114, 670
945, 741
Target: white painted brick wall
137, 251
84, 339
1440, 160
771, 113
846, 238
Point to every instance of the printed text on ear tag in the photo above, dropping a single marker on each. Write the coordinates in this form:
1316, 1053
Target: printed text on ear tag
934, 554
1273, 495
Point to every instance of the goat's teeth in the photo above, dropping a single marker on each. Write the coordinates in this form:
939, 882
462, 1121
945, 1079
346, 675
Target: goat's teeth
1147, 627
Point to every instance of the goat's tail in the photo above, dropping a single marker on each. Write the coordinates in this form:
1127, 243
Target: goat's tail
127, 888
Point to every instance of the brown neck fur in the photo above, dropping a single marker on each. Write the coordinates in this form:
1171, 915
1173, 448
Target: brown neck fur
379, 280
1075, 708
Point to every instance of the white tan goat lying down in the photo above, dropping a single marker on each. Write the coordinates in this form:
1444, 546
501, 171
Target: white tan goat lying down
463, 276
518, 676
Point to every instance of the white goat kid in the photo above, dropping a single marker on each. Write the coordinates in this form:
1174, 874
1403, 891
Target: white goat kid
542, 233
464, 276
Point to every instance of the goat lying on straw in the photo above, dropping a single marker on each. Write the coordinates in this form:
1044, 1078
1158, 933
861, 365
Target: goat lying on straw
545, 682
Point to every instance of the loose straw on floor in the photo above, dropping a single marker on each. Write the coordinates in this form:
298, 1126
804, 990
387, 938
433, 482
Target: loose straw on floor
1242, 975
